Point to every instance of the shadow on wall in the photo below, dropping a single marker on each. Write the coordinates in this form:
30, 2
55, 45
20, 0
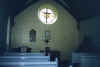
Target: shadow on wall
87, 45
92, 26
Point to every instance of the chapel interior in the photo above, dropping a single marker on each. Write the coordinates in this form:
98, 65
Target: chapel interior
49, 33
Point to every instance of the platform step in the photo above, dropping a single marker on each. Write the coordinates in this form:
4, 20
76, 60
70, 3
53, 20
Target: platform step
24, 58
28, 64
27, 54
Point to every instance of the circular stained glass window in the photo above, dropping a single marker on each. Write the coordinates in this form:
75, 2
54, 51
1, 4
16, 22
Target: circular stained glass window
47, 16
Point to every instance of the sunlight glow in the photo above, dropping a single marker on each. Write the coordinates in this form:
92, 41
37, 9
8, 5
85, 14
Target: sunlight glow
47, 16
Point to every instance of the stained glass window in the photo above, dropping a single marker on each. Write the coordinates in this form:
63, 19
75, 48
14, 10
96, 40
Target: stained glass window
47, 16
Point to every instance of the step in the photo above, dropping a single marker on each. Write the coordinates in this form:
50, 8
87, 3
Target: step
28, 64
28, 60
24, 58
22, 54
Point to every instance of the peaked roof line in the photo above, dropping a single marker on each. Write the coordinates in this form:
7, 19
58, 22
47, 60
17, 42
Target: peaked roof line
67, 8
64, 5
25, 6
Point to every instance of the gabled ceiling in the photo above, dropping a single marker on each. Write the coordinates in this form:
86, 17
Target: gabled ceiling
80, 9
84, 9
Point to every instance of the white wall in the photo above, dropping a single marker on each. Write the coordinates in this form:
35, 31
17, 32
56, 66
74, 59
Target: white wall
64, 33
